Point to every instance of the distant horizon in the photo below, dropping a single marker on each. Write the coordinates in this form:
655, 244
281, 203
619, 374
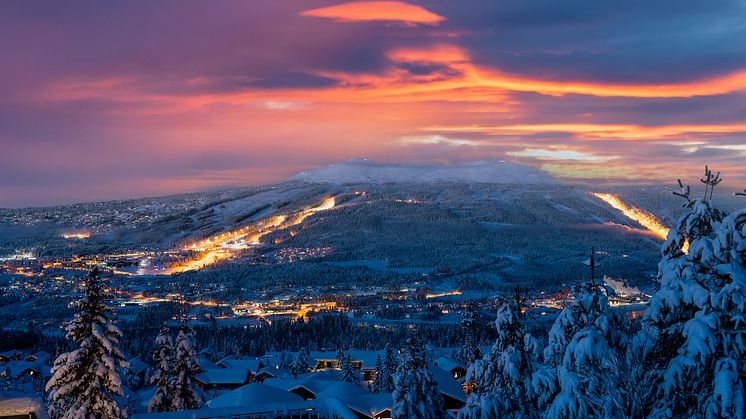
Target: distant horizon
692, 180
141, 98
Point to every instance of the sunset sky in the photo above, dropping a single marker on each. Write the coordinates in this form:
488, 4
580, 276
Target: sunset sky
102, 100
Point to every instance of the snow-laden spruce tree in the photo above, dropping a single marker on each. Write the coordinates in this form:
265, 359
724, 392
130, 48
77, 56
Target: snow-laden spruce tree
347, 372
501, 382
385, 369
85, 380
416, 394
185, 394
693, 333
300, 365
577, 376
162, 378
283, 364
375, 385
469, 351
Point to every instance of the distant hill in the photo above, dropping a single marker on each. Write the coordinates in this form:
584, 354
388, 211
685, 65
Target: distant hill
369, 171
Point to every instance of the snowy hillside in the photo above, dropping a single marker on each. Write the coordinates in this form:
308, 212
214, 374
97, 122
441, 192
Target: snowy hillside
367, 171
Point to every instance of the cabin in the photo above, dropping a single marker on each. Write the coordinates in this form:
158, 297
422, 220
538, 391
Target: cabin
21, 406
40, 356
457, 369
453, 394
8, 356
371, 406
253, 394
223, 378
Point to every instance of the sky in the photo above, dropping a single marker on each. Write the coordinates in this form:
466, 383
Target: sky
108, 100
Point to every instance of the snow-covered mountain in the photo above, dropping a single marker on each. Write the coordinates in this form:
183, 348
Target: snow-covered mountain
368, 171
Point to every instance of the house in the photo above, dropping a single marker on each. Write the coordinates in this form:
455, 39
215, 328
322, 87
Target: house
253, 365
453, 394
303, 409
206, 364
8, 356
364, 361
457, 369
371, 406
265, 373
21, 406
139, 369
253, 394
307, 385
40, 356
17, 369
223, 378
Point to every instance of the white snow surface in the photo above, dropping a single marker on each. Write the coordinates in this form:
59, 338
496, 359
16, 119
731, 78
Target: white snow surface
369, 171
16, 404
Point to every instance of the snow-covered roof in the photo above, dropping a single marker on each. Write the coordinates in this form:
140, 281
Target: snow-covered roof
447, 384
18, 404
326, 408
39, 356
252, 365
253, 394
448, 364
206, 364
17, 368
223, 376
371, 404
315, 382
342, 390
138, 366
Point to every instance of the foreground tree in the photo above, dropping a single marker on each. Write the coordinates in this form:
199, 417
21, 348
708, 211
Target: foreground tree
693, 336
416, 394
576, 381
501, 383
163, 360
85, 381
184, 392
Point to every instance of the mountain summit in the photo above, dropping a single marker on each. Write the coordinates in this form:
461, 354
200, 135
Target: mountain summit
369, 171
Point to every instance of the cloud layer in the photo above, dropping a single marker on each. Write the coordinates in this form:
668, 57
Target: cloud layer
143, 98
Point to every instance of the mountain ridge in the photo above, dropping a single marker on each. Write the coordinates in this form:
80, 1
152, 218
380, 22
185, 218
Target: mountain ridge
371, 171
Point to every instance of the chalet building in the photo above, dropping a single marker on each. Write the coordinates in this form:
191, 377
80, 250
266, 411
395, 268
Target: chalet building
21, 406
8, 356
223, 378
457, 369
39, 357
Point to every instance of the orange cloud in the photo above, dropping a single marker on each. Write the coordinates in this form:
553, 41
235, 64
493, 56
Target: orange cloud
614, 131
358, 11
707, 87
437, 54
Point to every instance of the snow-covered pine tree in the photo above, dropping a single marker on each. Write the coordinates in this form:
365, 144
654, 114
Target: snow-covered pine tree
693, 333
416, 394
85, 380
185, 394
578, 380
347, 371
163, 360
340, 357
501, 382
283, 364
300, 365
469, 351
385, 375
375, 385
